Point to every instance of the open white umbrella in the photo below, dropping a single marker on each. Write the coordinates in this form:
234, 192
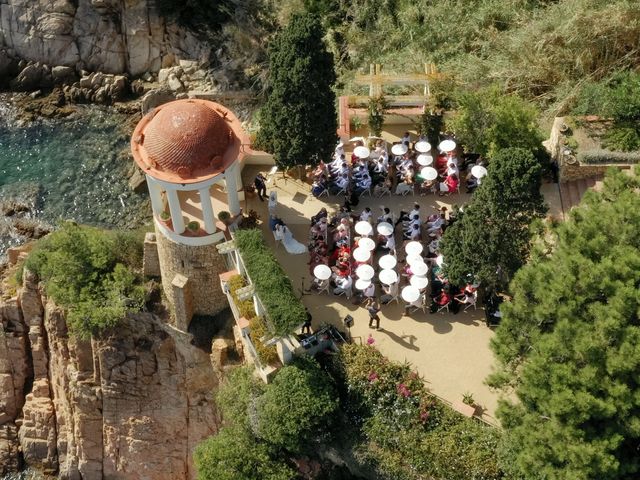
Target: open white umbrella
387, 261
424, 159
384, 228
362, 152
410, 294
413, 248
388, 276
447, 146
429, 173
367, 243
413, 259
361, 254
363, 228
422, 146
399, 149
478, 171
365, 272
419, 269
419, 281
362, 284
322, 272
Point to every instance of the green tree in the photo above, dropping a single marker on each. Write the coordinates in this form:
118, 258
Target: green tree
298, 121
569, 343
238, 394
377, 108
233, 454
491, 240
296, 406
488, 121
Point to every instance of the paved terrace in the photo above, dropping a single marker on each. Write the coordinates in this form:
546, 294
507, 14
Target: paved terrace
450, 351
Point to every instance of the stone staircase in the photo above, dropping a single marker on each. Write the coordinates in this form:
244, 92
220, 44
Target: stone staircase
571, 192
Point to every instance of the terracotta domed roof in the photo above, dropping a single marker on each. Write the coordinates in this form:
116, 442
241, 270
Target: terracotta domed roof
186, 138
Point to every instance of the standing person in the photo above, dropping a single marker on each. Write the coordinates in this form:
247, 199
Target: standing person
373, 307
306, 327
260, 183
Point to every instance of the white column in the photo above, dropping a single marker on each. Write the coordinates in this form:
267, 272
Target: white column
155, 194
232, 189
207, 210
176, 211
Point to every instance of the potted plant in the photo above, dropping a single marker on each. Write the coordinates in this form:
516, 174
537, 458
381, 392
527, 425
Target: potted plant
467, 398
165, 218
193, 227
224, 217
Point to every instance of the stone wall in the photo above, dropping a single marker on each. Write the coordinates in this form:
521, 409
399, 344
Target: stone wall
132, 404
201, 266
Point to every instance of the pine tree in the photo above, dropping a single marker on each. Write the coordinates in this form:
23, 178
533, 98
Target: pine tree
569, 343
298, 122
491, 240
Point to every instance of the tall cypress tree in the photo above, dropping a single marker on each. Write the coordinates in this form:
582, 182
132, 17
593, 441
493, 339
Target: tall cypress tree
298, 122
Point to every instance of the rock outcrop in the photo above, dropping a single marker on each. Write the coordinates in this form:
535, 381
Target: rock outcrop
132, 404
95, 35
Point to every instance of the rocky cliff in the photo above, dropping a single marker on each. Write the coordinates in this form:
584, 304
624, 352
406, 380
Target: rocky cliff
110, 36
130, 405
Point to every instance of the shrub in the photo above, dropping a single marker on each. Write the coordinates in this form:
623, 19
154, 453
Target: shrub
604, 157
91, 272
267, 354
297, 406
245, 307
238, 394
377, 108
233, 454
623, 136
409, 433
284, 310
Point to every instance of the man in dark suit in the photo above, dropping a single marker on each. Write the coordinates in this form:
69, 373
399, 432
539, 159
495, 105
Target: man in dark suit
261, 186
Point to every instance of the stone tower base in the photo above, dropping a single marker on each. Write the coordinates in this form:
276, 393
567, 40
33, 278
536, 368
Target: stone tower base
190, 279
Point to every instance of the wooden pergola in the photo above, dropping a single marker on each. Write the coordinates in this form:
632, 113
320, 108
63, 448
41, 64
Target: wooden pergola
376, 80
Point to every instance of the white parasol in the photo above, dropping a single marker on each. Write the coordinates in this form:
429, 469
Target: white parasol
322, 272
447, 146
429, 173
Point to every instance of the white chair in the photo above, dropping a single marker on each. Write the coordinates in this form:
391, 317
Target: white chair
324, 193
347, 293
366, 191
473, 302
443, 307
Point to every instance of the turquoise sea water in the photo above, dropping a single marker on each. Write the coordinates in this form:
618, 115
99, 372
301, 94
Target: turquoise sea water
76, 168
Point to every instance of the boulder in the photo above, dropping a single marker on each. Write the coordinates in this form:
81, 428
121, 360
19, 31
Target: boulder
62, 74
174, 83
163, 75
154, 98
29, 78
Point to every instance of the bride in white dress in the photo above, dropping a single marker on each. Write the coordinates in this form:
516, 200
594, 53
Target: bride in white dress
290, 244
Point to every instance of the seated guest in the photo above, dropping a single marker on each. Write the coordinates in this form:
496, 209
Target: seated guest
449, 185
404, 216
410, 222
364, 184
452, 169
341, 183
343, 285
382, 189
413, 233
386, 215
366, 214
444, 298
390, 292
389, 243
319, 216
318, 187
404, 188
406, 139
428, 186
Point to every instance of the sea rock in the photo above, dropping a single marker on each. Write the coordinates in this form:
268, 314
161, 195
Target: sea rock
29, 78
62, 74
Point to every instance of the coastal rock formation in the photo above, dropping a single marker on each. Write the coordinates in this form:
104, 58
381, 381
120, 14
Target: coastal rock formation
132, 404
95, 35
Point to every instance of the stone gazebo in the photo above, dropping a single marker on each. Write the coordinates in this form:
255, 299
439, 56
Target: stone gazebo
189, 151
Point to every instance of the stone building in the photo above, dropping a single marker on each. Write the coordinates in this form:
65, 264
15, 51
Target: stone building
189, 151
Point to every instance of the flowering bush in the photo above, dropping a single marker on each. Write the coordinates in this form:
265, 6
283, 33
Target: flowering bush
409, 433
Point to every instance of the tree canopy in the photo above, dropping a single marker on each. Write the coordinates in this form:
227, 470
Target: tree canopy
491, 240
300, 399
569, 342
298, 121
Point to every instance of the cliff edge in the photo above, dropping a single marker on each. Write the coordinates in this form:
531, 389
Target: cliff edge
131, 404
